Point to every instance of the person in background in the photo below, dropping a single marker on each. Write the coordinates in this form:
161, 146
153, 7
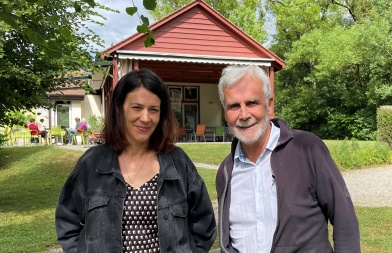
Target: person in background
279, 187
74, 130
83, 126
34, 130
138, 192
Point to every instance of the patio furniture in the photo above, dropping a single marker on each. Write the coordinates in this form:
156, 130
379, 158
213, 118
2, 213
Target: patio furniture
219, 133
200, 129
57, 133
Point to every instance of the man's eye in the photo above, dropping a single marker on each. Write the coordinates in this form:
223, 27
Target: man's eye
252, 103
233, 107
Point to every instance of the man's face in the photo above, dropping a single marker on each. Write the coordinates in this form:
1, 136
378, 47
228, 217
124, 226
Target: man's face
246, 110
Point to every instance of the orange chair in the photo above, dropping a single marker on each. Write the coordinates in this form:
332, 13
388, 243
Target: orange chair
200, 129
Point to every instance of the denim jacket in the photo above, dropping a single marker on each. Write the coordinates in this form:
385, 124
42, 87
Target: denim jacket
90, 206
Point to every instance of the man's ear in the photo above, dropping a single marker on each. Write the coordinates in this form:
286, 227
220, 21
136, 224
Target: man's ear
271, 114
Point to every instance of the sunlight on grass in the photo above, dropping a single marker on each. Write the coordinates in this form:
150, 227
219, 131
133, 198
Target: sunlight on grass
206, 153
209, 176
376, 229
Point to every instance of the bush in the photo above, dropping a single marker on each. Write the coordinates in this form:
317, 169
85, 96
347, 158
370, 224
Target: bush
354, 154
95, 124
384, 124
3, 139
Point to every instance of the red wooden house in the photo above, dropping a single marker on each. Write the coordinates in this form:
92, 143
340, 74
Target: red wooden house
192, 46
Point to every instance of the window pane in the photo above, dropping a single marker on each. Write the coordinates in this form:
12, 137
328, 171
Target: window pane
190, 116
191, 93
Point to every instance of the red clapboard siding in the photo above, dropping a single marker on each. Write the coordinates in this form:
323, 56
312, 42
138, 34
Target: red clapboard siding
196, 32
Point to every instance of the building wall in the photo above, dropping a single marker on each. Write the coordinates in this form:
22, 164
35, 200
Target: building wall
42, 118
91, 105
75, 111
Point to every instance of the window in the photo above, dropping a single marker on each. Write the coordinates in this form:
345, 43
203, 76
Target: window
184, 100
191, 93
62, 115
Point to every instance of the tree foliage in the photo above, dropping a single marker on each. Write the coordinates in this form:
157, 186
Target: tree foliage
42, 45
338, 73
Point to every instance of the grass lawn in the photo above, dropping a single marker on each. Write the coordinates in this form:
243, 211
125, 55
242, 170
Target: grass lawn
31, 179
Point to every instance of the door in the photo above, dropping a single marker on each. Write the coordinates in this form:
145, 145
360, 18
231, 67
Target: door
62, 115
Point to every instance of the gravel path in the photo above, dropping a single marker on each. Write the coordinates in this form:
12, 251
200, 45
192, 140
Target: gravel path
368, 187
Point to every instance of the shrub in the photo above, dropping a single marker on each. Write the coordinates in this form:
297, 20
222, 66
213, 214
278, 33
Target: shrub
95, 124
384, 124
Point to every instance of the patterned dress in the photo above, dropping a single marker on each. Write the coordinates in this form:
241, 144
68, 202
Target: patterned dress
140, 225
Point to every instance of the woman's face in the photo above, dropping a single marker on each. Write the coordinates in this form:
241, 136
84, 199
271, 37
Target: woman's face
142, 110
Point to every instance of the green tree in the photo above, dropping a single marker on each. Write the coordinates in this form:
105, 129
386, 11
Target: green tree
42, 44
337, 54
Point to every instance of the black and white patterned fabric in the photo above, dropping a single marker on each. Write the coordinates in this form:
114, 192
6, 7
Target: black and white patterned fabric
140, 226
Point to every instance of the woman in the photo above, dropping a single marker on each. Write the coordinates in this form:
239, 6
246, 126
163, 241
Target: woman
137, 192
34, 130
83, 126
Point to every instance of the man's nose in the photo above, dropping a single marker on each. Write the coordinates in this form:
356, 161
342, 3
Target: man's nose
244, 113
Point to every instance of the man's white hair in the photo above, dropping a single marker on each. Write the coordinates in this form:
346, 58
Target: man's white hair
233, 73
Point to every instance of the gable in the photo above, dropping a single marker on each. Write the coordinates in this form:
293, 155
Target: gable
197, 32
197, 29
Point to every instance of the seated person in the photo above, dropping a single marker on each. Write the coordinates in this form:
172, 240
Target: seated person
83, 126
73, 131
34, 130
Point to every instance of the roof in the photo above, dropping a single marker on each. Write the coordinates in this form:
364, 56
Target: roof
197, 33
70, 90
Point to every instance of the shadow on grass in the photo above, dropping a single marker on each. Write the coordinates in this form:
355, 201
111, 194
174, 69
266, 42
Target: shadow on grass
31, 178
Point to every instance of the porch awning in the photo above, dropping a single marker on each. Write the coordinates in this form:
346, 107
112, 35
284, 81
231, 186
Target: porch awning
191, 58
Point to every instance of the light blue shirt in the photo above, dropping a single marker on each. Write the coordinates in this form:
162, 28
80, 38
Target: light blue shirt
253, 208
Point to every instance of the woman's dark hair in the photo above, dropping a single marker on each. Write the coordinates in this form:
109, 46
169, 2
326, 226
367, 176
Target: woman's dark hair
164, 136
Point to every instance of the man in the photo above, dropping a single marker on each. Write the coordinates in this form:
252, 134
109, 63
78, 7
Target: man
279, 187
73, 131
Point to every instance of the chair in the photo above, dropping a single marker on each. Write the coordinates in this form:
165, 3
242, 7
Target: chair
56, 131
219, 132
182, 134
7, 134
19, 134
200, 129
34, 137
82, 135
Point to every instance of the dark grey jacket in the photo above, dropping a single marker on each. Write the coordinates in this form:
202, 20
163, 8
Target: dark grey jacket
310, 192
90, 206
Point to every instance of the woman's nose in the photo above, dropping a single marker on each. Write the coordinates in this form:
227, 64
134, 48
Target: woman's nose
145, 116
